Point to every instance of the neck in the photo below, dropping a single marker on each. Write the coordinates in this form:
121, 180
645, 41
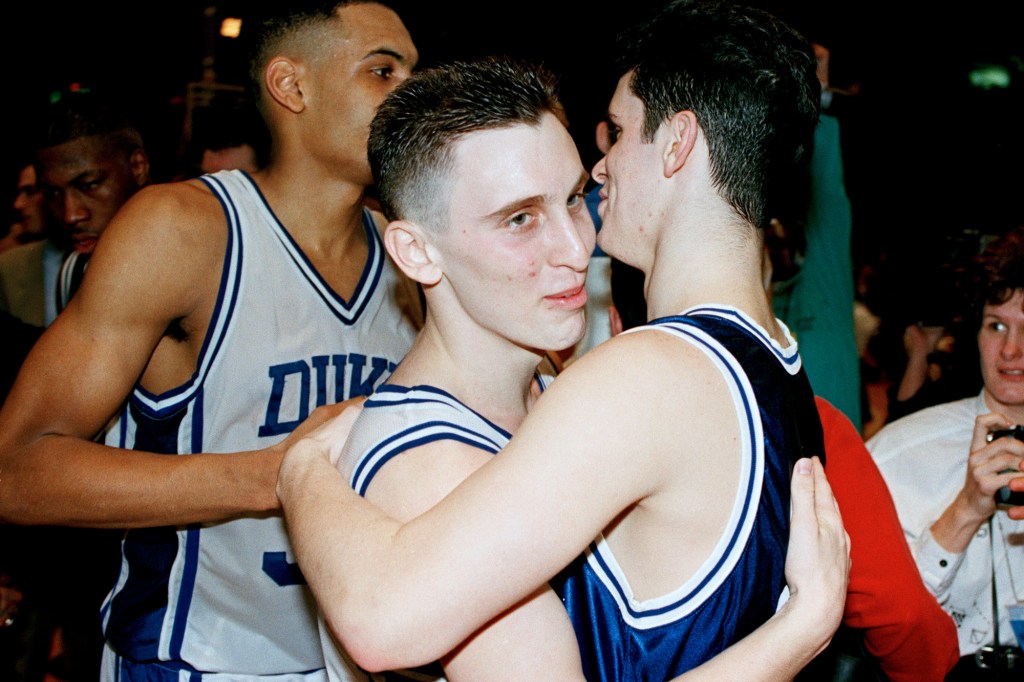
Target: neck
312, 205
710, 261
486, 372
325, 218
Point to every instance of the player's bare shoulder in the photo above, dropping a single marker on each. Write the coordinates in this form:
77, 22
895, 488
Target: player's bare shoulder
648, 362
165, 242
409, 485
185, 210
657, 392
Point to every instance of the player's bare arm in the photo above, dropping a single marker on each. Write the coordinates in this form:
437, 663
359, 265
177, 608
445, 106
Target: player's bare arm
532, 640
142, 312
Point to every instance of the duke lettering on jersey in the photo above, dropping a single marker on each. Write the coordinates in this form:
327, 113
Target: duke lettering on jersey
196, 598
294, 383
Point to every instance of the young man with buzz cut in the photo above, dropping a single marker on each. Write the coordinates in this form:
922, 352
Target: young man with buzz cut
657, 465
216, 315
485, 198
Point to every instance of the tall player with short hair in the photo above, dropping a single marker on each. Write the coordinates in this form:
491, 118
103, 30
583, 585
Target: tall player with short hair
220, 312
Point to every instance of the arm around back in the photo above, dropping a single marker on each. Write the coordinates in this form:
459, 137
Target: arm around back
492, 541
401, 594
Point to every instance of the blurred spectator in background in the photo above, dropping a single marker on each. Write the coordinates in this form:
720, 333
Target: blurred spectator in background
227, 139
90, 160
29, 222
945, 464
29, 263
29, 266
922, 350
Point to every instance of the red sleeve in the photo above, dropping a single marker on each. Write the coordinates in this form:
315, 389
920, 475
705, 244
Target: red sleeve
904, 627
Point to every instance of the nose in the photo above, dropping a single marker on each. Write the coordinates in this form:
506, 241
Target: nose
21, 200
576, 239
1012, 348
75, 211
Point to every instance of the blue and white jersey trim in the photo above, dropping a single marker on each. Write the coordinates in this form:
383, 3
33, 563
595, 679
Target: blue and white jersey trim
426, 401
227, 297
788, 355
716, 569
412, 438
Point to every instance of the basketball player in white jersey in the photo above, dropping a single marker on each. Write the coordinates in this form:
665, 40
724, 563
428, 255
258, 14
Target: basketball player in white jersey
665, 450
499, 237
215, 316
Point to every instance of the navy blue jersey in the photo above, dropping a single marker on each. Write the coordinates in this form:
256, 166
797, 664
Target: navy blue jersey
740, 584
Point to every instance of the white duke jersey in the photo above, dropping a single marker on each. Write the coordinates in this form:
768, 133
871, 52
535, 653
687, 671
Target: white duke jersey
396, 419
227, 597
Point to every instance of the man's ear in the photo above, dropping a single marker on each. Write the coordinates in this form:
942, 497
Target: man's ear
412, 252
138, 162
282, 79
682, 136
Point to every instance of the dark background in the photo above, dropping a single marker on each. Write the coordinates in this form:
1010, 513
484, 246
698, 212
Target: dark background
931, 161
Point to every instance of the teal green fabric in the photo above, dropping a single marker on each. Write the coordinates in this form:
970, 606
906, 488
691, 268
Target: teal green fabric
817, 304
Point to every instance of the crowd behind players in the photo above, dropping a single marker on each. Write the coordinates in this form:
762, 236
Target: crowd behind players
947, 453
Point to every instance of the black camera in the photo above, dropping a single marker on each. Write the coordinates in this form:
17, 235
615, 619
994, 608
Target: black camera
998, 658
1005, 496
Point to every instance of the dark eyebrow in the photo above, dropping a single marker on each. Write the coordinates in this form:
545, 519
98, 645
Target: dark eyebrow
85, 176
385, 52
517, 204
513, 206
45, 186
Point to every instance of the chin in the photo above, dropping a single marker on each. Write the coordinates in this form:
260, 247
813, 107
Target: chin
1010, 397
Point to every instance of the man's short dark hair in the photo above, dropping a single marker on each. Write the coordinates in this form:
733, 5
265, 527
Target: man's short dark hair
748, 77
276, 22
413, 132
86, 114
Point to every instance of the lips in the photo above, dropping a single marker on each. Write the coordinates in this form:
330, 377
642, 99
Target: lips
570, 299
603, 204
84, 242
